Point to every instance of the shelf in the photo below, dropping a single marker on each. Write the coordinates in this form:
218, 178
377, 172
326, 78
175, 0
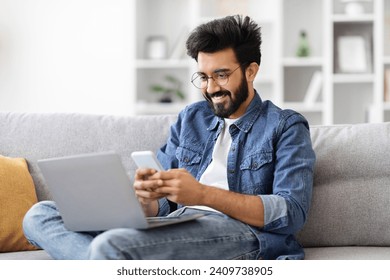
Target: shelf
163, 63
353, 19
353, 78
302, 62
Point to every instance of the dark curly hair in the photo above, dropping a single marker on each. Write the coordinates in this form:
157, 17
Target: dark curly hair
239, 33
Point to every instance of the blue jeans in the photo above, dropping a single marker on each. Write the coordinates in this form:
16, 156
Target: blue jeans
214, 236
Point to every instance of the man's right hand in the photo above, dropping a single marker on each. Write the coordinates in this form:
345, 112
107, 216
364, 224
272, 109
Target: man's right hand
145, 187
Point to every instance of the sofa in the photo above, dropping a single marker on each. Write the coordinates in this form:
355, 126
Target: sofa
350, 213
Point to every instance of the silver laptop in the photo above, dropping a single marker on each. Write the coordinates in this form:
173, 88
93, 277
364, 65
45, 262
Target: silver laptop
94, 193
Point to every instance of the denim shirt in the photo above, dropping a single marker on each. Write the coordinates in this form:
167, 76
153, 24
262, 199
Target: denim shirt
271, 156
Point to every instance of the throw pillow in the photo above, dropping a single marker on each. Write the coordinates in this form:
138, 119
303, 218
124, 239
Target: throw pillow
17, 195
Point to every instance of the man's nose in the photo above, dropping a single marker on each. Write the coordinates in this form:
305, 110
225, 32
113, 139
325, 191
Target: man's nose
212, 86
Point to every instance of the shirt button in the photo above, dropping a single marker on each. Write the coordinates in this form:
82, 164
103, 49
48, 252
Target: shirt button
232, 171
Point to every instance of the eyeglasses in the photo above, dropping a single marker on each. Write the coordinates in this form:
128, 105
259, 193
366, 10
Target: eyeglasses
220, 77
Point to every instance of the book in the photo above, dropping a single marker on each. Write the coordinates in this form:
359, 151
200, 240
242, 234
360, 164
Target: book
386, 93
314, 89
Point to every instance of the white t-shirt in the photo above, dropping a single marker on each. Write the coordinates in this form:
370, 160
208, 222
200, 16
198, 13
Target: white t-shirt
216, 173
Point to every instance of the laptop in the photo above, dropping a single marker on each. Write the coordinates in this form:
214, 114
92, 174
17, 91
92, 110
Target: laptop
94, 193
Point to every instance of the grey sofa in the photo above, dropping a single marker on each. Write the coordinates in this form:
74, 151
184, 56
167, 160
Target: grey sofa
350, 213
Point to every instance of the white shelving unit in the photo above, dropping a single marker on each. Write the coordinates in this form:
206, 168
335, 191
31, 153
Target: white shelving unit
283, 77
296, 72
352, 94
170, 20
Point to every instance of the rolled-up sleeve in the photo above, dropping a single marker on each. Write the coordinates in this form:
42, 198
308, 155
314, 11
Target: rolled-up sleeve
275, 211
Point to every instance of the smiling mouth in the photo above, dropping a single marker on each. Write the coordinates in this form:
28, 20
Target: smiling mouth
218, 95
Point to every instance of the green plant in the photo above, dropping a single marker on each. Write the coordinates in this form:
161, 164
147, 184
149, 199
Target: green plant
173, 87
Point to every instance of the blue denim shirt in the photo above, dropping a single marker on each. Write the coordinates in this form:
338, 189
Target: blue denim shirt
270, 156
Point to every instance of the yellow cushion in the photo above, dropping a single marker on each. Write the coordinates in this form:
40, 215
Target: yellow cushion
17, 195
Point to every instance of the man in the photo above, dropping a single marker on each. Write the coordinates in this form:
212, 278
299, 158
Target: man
245, 163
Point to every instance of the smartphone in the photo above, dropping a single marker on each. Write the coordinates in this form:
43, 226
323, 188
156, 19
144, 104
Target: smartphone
146, 159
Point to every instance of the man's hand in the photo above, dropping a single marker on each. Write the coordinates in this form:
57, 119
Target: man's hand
179, 186
145, 186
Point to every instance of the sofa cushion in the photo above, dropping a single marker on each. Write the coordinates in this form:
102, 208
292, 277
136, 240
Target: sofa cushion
351, 194
348, 253
17, 195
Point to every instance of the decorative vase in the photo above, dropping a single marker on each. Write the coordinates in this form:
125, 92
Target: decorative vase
303, 49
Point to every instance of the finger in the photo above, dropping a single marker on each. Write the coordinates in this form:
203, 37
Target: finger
147, 185
149, 195
165, 190
165, 175
142, 173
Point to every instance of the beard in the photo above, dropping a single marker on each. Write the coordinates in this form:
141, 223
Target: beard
227, 108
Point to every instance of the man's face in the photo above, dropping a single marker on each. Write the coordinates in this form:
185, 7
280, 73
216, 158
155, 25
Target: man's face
229, 100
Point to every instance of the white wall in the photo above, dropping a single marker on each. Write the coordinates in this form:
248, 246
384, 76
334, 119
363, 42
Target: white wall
66, 55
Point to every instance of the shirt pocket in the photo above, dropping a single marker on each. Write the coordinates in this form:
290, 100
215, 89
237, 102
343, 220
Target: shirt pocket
257, 173
256, 161
187, 157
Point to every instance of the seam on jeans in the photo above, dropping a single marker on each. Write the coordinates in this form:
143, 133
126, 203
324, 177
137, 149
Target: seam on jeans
237, 237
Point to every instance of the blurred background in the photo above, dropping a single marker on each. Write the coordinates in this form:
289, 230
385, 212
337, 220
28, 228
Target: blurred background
327, 59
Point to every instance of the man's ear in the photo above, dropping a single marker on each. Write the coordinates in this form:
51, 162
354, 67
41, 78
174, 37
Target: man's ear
251, 71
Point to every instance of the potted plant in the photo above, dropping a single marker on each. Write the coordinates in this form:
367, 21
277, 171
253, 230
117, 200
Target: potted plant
172, 87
